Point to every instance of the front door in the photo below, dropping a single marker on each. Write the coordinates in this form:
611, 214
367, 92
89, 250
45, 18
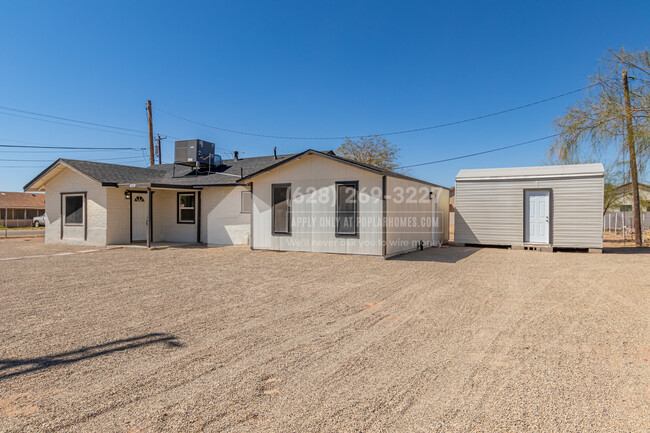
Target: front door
139, 216
537, 217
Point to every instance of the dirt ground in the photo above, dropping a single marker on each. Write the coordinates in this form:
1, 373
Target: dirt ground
616, 240
230, 340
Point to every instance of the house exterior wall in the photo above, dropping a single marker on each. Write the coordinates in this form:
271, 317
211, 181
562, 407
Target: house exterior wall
492, 211
444, 215
166, 228
313, 209
415, 212
222, 222
118, 214
69, 181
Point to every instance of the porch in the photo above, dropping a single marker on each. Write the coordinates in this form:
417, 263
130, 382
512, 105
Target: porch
156, 217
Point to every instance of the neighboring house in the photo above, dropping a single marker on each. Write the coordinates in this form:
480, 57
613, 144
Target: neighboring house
531, 207
107, 204
624, 200
17, 209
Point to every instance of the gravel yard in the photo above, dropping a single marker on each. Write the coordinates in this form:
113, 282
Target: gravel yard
230, 340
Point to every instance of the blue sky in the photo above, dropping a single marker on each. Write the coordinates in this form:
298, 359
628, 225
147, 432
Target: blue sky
301, 69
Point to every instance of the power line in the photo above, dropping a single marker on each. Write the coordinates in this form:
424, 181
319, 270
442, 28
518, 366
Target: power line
118, 129
383, 134
70, 120
22, 146
68, 124
130, 158
479, 153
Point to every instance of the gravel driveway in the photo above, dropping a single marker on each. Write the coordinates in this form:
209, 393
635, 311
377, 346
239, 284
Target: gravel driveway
230, 340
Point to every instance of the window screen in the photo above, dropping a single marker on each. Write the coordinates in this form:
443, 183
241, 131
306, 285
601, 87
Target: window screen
346, 208
281, 209
246, 202
186, 208
74, 209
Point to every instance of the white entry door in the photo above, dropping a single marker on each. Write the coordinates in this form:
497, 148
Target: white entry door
139, 215
537, 217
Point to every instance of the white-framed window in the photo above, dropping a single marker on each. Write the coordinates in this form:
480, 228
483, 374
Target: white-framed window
186, 208
246, 202
73, 209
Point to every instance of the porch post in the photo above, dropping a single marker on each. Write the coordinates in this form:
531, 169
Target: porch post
149, 228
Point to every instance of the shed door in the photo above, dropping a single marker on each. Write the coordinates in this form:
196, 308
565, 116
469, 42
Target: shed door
537, 217
139, 216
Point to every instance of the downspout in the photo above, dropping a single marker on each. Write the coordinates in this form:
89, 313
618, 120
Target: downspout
198, 218
250, 228
150, 211
383, 216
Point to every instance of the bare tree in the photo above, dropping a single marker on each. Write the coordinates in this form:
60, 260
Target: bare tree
374, 150
615, 113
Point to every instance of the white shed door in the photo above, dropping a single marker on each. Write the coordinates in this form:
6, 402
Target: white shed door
139, 215
537, 217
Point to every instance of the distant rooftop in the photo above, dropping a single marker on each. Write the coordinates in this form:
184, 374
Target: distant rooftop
22, 200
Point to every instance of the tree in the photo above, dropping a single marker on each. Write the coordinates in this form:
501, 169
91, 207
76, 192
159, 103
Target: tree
373, 150
614, 114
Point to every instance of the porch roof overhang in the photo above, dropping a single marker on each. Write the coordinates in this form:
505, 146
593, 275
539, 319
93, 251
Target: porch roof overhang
150, 185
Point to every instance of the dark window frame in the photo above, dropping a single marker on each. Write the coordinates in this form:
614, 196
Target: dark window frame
289, 200
355, 185
178, 208
65, 209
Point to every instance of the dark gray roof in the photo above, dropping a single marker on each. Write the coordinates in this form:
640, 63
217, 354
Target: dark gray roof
333, 156
165, 174
231, 172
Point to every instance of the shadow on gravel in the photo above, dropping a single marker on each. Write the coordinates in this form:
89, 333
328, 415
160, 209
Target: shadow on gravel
441, 255
29, 365
627, 250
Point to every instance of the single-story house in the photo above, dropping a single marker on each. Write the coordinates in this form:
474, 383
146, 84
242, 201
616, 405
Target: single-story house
17, 209
541, 208
310, 201
624, 199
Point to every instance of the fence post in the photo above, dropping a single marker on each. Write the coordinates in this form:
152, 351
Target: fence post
6, 235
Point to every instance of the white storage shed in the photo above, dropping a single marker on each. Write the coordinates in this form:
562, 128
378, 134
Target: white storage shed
543, 208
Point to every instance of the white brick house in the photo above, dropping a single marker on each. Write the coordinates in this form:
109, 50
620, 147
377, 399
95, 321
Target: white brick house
91, 203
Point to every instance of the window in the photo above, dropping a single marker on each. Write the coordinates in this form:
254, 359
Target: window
281, 203
186, 212
31, 213
626, 208
74, 209
346, 208
246, 202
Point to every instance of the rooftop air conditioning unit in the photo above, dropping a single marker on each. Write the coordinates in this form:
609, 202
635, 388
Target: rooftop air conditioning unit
196, 152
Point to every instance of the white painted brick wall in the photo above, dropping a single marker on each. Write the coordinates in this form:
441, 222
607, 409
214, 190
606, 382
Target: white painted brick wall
71, 181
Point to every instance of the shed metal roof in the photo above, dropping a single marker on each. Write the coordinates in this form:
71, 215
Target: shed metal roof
544, 171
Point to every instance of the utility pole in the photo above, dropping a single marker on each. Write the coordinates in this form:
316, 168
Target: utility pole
152, 159
636, 203
159, 147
